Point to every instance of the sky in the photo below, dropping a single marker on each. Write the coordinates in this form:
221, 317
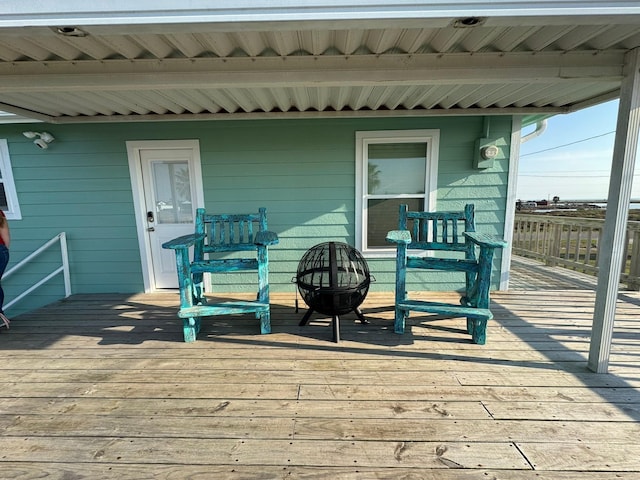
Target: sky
572, 158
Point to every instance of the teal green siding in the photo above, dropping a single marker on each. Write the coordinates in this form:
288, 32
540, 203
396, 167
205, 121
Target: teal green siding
302, 171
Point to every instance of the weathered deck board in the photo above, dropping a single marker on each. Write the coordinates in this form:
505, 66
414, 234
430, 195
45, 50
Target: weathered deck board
583, 456
273, 452
104, 387
593, 412
28, 471
479, 393
187, 408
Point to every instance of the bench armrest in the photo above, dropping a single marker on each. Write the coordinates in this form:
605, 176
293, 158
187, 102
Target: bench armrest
266, 238
484, 240
399, 237
184, 241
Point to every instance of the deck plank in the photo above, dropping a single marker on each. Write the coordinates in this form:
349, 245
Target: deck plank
273, 452
53, 470
584, 456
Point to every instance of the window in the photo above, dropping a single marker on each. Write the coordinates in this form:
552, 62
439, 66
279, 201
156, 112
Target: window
392, 167
8, 195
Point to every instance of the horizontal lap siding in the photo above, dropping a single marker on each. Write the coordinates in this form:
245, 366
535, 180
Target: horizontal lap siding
459, 183
302, 171
80, 185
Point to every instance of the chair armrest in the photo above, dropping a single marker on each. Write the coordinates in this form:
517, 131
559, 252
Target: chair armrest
484, 240
184, 241
399, 236
266, 238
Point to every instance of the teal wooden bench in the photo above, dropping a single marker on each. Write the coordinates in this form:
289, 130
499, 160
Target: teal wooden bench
216, 238
420, 241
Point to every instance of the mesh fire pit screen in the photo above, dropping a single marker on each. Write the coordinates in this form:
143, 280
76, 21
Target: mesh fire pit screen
333, 278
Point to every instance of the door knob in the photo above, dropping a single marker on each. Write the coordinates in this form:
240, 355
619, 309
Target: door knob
150, 217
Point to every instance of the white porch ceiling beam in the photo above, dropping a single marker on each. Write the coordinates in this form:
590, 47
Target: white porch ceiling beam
615, 225
114, 12
424, 69
240, 115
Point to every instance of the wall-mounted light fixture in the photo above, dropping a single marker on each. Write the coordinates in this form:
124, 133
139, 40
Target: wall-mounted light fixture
43, 140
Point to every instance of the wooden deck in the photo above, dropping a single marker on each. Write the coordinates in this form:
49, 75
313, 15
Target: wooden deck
102, 386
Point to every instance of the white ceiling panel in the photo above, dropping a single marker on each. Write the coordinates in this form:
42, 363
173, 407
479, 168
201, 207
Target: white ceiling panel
501, 65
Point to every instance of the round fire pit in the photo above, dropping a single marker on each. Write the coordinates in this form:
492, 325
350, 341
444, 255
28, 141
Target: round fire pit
333, 278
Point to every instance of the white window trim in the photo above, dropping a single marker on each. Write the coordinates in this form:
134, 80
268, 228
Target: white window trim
13, 212
363, 139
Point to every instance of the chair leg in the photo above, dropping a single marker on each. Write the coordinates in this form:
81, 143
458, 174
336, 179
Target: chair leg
479, 333
401, 315
265, 323
470, 325
190, 328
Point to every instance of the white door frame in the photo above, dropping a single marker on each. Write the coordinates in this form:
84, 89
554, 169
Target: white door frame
137, 188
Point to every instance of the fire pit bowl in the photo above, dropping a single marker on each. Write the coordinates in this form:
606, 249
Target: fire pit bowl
333, 278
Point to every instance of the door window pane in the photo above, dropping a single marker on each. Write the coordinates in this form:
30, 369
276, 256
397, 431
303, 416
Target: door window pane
173, 192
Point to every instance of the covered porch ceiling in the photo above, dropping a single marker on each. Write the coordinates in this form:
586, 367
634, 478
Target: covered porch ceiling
64, 70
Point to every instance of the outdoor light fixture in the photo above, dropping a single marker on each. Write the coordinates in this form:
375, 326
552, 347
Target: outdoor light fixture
43, 140
486, 150
469, 22
70, 32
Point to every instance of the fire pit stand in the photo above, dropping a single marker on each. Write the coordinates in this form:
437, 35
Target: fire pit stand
333, 278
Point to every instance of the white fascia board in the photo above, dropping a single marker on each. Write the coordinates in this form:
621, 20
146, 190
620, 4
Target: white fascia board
18, 13
6, 117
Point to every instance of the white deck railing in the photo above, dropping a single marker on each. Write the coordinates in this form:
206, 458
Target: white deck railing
573, 243
64, 268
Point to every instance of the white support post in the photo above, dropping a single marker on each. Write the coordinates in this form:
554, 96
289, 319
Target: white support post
613, 237
510, 215
65, 264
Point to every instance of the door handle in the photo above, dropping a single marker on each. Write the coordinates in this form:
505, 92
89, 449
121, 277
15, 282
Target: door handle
150, 217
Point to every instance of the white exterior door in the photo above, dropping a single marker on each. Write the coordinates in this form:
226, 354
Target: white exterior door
169, 189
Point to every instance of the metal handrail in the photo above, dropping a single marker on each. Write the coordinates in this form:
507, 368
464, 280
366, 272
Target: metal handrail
64, 269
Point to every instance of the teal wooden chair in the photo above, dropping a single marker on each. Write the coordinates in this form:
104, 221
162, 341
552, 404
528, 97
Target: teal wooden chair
425, 241
216, 241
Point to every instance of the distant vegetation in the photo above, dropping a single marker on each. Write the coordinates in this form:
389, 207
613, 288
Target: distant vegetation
634, 215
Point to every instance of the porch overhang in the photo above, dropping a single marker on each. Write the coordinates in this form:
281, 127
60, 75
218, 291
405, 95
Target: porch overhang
260, 59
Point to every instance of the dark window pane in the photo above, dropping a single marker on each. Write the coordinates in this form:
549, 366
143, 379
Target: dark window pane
3, 198
383, 216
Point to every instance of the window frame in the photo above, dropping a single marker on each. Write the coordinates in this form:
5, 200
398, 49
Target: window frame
365, 138
6, 178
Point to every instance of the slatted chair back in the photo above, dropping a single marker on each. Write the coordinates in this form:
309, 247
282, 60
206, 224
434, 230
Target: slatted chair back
440, 231
230, 233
